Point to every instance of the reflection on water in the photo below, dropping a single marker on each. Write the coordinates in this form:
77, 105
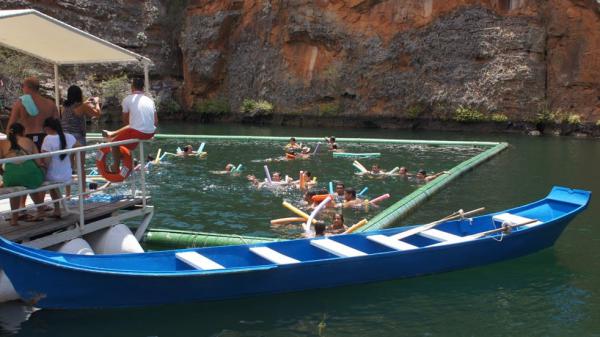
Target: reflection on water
552, 293
13, 314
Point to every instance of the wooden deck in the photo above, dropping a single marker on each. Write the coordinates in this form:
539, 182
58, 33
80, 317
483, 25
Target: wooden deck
93, 211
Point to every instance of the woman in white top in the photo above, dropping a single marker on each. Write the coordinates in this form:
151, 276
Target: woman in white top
58, 166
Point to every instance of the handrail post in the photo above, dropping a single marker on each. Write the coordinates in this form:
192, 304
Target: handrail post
143, 174
80, 174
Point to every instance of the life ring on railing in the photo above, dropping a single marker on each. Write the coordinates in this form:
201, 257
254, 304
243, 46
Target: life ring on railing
126, 162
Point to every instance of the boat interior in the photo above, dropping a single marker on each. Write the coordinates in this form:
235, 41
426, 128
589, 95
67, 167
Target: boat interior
244, 257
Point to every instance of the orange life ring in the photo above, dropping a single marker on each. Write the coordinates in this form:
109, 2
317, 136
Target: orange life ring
290, 156
126, 161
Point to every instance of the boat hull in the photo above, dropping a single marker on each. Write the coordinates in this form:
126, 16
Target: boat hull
52, 280
77, 289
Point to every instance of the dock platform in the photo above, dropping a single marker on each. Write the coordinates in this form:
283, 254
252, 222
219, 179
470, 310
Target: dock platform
93, 212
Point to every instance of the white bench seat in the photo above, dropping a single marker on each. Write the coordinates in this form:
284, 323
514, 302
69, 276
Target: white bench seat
336, 248
438, 235
391, 242
198, 261
515, 220
272, 255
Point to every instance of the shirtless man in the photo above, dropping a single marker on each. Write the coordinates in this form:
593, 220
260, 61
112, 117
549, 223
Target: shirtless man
31, 110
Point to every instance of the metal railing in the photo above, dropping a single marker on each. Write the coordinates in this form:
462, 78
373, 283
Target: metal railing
80, 195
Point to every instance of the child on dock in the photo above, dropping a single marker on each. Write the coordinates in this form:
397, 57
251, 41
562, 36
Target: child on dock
59, 167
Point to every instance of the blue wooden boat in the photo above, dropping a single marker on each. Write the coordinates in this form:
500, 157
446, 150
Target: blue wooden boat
54, 280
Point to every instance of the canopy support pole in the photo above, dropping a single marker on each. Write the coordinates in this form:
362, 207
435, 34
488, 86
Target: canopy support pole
56, 89
147, 77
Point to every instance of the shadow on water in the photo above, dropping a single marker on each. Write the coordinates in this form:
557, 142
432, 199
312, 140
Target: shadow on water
498, 296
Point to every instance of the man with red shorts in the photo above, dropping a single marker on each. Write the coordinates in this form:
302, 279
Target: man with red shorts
140, 113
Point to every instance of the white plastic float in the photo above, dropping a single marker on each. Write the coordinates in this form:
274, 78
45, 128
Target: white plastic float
117, 239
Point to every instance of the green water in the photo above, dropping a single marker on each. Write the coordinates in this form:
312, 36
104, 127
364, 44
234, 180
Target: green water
552, 293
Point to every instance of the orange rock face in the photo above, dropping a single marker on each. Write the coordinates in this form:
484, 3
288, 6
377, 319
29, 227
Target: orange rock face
372, 57
393, 58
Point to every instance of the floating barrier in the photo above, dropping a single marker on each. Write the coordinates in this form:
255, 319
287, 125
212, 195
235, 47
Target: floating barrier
355, 155
402, 208
160, 239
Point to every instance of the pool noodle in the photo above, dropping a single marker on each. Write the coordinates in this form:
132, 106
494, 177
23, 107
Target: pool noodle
359, 166
331, 187
314, 213
284, 221
356, 226
380, 198
238, 168
295, 210
363, 168
157, 159
363, 191
268, 175
201, 148
178, 150
316, 148
394, 170
163, 156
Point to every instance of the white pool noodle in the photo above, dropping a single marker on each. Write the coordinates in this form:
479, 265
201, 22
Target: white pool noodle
314, 213
268, 175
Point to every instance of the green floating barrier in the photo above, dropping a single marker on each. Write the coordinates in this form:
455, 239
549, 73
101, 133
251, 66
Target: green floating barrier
177, 239
355, 155
314, 139
407, 204
160, 239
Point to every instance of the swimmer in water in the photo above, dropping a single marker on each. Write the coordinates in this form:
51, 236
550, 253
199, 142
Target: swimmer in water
337, 226
339, 192
422, 175
187, 151
350, 199
229, 169
292, 145
304, 153
275, 179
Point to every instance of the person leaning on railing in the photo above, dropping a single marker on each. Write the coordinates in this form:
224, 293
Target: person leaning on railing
74, 115
27, 173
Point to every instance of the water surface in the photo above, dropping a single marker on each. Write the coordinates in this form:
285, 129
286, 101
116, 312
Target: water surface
555, 292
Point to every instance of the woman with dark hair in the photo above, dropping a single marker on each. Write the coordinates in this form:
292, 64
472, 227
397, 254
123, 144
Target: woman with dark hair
59, 166
26, 173
74, 116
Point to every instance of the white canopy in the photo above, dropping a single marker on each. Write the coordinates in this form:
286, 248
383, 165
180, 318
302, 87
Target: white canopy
46, 38
54, 41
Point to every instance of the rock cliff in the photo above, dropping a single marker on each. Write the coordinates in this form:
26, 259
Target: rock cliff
394, 59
